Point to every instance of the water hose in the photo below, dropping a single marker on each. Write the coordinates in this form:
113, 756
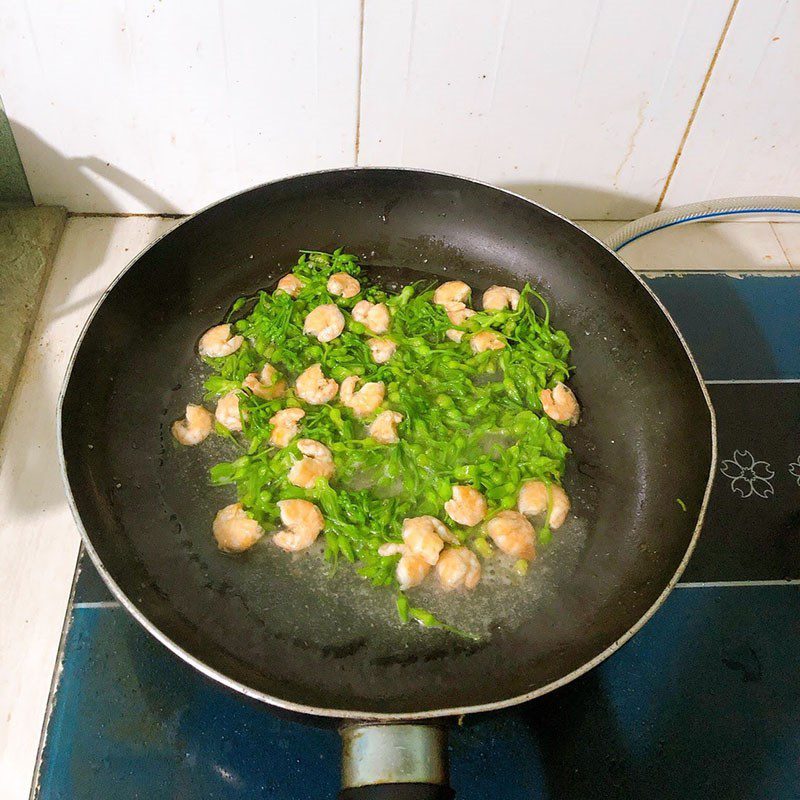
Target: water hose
695, 212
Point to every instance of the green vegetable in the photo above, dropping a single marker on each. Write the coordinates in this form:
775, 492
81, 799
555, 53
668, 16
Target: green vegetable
468, 418
681, 504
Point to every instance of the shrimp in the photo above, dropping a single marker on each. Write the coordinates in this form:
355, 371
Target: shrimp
382, 349
195, 427
373, 316
303, 522
451, 292
560, 404
317, 462
228, 413
284, 426
313, 387
458, 567
234, 530
364, 401
425, 537
325, 322
343, 285
486, 340
458, 314
265, 384
217, 342
467, 506
513, 534
289, 284
496, 298
533, 500
384, 427
411, 569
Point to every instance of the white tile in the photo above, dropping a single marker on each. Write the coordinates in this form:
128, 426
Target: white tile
601, 228
168, 107
744, 138
578, 105
788, 234
38, 539
711, 246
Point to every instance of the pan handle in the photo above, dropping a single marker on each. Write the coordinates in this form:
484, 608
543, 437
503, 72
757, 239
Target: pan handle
400, 761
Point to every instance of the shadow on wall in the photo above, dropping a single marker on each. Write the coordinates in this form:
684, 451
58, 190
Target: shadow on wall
561, 197
85, 175
37, 465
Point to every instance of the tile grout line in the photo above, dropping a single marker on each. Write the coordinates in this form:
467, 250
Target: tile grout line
727, 381
360, 91
697, 103
98, 604
780, 244
735, 584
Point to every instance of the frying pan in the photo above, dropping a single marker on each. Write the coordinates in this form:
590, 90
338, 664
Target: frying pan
282, 636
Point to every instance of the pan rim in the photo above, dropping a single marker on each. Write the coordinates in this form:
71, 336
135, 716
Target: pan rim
318, 711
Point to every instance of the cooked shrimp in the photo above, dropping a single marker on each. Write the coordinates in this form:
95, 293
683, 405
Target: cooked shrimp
533, 500
290, 284
317, 462
458, 314
467, 506
343, 285
513, 534
217, 342
425, 537
560, 404
266, 384
284, 426
392, 549
373, 316
451, 292
303, 521
382, 349
325, 322
228, 413
486, 340
458, 567
496, 298
411, 570
195, 426
384, 427
234, 531
364, 401
313, 387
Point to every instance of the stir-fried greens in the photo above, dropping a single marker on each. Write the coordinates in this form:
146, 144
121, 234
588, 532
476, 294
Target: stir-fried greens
473, 419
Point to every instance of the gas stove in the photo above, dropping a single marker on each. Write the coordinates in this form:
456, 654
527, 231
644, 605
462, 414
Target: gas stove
703, 702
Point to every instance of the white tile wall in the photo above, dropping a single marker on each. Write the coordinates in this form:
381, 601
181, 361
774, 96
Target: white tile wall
581, 105
744, 139
168, 106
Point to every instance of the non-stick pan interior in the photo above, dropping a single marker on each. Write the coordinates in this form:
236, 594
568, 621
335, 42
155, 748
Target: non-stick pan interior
276, 625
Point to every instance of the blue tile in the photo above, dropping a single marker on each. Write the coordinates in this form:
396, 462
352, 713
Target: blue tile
90, 587
752, 528
737, 327
703, 702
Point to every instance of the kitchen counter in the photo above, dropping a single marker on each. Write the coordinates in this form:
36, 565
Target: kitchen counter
743, 644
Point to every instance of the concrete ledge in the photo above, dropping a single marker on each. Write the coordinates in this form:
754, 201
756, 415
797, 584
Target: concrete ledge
28, 242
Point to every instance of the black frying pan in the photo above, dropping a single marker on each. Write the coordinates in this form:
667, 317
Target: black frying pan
646, 439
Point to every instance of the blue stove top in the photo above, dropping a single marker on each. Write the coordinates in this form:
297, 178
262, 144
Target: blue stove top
703, 702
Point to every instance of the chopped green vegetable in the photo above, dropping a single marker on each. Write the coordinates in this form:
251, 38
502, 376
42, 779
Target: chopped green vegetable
681, 504
468, 418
